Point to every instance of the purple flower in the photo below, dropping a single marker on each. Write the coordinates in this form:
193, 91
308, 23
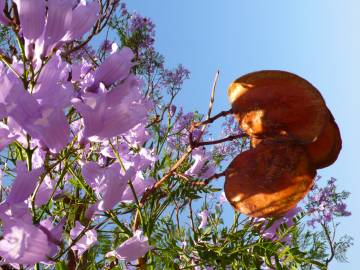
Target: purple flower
24, 184
222, 198
144, 159
3, 19
32, 17
172, 110
202, 167
86, 241
23, 243
54, 234
6, 137
110, 113
204, 215
84, 17
341, 209
51, 128
15, 101
51, 89
45, 190
58, 21
106, 45
115, 68
108, 183
174, 79
200, 157
324, 203
139, 185
48, 124
32, 21
132, 249
138, 135
271, 232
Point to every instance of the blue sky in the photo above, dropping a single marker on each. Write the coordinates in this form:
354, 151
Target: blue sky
318, 40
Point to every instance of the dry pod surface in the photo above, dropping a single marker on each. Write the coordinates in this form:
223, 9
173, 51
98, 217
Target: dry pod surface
325, 150
278, 104
269, 180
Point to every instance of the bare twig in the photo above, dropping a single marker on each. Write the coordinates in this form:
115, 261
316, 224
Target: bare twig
331, 243
229, 138
191, 216
212, 119
212, 97
200, 183
207, 180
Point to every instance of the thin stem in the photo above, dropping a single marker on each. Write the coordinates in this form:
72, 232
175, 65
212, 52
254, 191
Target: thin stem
213, 119
331, 244
229, 138
191, 216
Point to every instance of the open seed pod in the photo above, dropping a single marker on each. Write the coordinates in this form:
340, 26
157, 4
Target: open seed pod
278, 104
325, 150
269, 180
255, 142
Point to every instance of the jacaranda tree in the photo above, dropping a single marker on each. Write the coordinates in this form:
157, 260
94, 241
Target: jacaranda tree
101, 169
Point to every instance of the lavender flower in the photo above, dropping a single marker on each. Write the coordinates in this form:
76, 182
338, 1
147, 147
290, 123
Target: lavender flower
204, 215
132, 249
52, 88
32, 17
271, 232
54, 234
23, 243
3, 19
173, 80
45, 191
139, 185
23, 185
32, 20
108, 114
222, 198
115, 68
48, 124
84, 17
202, 166
86, 241
108, 183
325, 203
6, 137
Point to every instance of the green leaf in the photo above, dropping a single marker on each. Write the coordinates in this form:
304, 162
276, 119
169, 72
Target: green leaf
61, 266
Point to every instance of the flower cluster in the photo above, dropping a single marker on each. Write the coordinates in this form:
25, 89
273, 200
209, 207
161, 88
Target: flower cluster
325, 203
139, 30
272, 232
49, 105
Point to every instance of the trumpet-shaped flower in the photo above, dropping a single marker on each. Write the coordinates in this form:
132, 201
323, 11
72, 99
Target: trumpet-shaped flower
23, 242
110, 113
115, 68
3, 19
86, 241
132, 249
46, 123
24, 184
140, 185
108, 183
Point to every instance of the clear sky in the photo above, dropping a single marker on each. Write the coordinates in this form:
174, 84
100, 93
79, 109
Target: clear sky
318, 40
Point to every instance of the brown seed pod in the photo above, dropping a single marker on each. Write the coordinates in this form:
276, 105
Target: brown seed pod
255, 142
278, 104
269, 180
325, 150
